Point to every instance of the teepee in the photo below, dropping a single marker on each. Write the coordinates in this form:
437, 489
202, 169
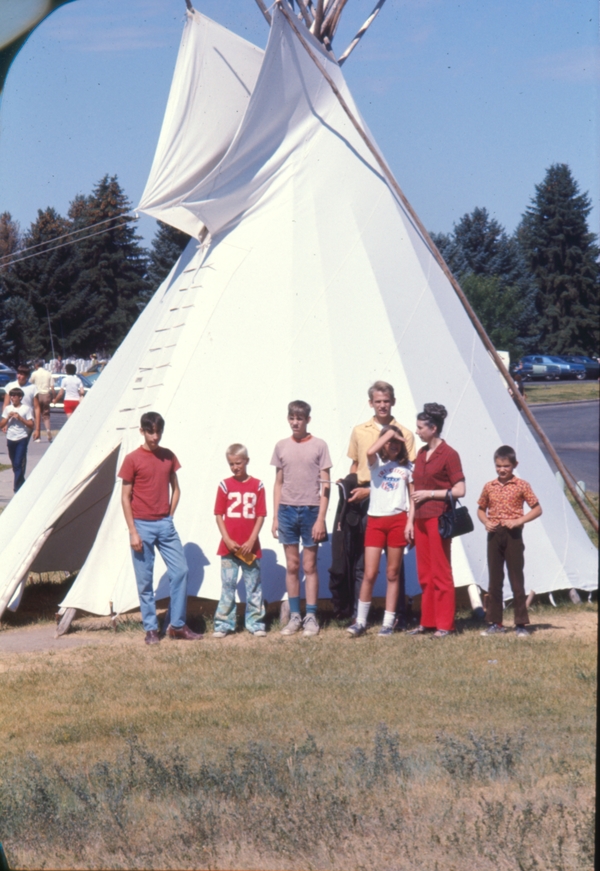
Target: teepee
307, 278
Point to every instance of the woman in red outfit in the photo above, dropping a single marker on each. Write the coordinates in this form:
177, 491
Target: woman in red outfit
437, 470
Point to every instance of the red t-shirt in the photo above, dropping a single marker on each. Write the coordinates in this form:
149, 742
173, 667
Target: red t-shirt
150, 473
240, 503
442, 472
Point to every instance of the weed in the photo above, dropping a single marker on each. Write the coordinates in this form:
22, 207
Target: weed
482, 757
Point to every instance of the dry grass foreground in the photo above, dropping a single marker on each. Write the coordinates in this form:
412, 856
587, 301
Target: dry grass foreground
326, 753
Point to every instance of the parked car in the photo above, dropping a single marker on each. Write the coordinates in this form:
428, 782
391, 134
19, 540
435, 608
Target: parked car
592, 367
535, 366
567, 369
6, 375
57, 383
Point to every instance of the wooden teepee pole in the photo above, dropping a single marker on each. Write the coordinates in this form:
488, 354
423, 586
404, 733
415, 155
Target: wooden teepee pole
264, 11
444, 267
360, 33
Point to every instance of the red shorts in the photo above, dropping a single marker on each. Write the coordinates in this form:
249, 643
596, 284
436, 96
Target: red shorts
70, 405
386, 531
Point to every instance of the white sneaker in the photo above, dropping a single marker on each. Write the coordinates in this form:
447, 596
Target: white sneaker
311, 627
259, 633
220, 634
294, 625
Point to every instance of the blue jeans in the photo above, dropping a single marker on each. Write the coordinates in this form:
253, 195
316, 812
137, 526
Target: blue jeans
162, 535
17, 451
255, 607
295, 522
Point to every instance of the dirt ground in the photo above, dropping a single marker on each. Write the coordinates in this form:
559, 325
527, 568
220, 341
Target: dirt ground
560, 623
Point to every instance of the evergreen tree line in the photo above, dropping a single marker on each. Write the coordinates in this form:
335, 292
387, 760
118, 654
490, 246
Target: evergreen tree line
79, 294
534, 290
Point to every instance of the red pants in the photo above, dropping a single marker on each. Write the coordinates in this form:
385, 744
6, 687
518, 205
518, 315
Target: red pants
435, 575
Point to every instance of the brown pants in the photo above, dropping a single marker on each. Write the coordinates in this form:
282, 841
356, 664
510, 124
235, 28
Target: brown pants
44, 401
506, 546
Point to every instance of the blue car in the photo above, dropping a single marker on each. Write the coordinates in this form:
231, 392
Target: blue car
536, 366
6, 374
568, 369
592, 367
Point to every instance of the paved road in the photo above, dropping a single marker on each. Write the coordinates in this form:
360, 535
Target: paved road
573, 430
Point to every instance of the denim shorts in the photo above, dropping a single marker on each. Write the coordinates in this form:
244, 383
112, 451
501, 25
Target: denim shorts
295, 522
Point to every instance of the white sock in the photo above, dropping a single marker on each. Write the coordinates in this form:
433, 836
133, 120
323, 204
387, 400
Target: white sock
388, 619
362, 612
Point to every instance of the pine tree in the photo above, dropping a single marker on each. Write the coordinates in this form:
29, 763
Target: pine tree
110, 272
38, 284
167, 245
482, 256
499, 308
563, 258
10, 242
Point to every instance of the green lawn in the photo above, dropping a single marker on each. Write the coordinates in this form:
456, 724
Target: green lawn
561, 391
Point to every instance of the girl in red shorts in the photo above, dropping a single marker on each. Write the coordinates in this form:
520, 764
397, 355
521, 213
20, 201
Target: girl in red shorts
389, 522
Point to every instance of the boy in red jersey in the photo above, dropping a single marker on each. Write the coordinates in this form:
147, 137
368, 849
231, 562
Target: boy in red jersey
149, 499
501, 512
240, 510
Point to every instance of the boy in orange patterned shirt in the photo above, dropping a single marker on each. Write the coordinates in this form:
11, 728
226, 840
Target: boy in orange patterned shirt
501, 512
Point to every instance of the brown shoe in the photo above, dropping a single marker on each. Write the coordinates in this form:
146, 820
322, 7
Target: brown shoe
152, 637
184, 634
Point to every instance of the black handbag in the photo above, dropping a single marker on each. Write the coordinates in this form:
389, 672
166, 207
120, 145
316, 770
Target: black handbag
454, 521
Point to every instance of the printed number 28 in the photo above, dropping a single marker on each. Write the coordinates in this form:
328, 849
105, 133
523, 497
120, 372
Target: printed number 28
248, 503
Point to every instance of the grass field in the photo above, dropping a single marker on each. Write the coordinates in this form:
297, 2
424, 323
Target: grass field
333, 753
561, 391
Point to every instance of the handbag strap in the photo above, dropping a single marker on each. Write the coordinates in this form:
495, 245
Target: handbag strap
450, 498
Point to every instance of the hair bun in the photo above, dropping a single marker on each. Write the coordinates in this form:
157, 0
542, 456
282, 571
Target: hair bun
435, 410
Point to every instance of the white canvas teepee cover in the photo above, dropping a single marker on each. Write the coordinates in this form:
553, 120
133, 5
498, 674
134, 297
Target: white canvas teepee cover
312, 284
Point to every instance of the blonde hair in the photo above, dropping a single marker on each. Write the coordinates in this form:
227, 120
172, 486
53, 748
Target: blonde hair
381, 387
237, 450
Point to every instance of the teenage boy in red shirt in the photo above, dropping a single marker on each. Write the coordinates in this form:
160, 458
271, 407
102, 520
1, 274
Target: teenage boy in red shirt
149, 499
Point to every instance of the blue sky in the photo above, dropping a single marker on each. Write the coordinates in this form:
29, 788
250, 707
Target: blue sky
470, 101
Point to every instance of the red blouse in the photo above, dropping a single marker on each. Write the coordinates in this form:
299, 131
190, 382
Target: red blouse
441, 472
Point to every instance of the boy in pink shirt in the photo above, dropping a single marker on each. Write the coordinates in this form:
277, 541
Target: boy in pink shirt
300, 500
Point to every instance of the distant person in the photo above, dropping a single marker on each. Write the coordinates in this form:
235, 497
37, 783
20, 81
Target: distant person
390, 521
437, 470
300, 501
17, 423
501, 512
240, 510
382, 400
519, 379
149, 499
42, 380
30, 399
95, 365
56, 366
71, 390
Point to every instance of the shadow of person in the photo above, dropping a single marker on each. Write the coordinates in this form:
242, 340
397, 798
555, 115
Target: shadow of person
272, 575
196, 560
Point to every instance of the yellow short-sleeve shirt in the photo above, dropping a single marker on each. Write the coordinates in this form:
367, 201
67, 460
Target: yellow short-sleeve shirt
366, 434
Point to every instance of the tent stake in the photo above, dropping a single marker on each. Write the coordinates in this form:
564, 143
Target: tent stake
443, 266
65, 623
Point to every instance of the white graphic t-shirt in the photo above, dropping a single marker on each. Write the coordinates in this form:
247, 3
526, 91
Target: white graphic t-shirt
389, 487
